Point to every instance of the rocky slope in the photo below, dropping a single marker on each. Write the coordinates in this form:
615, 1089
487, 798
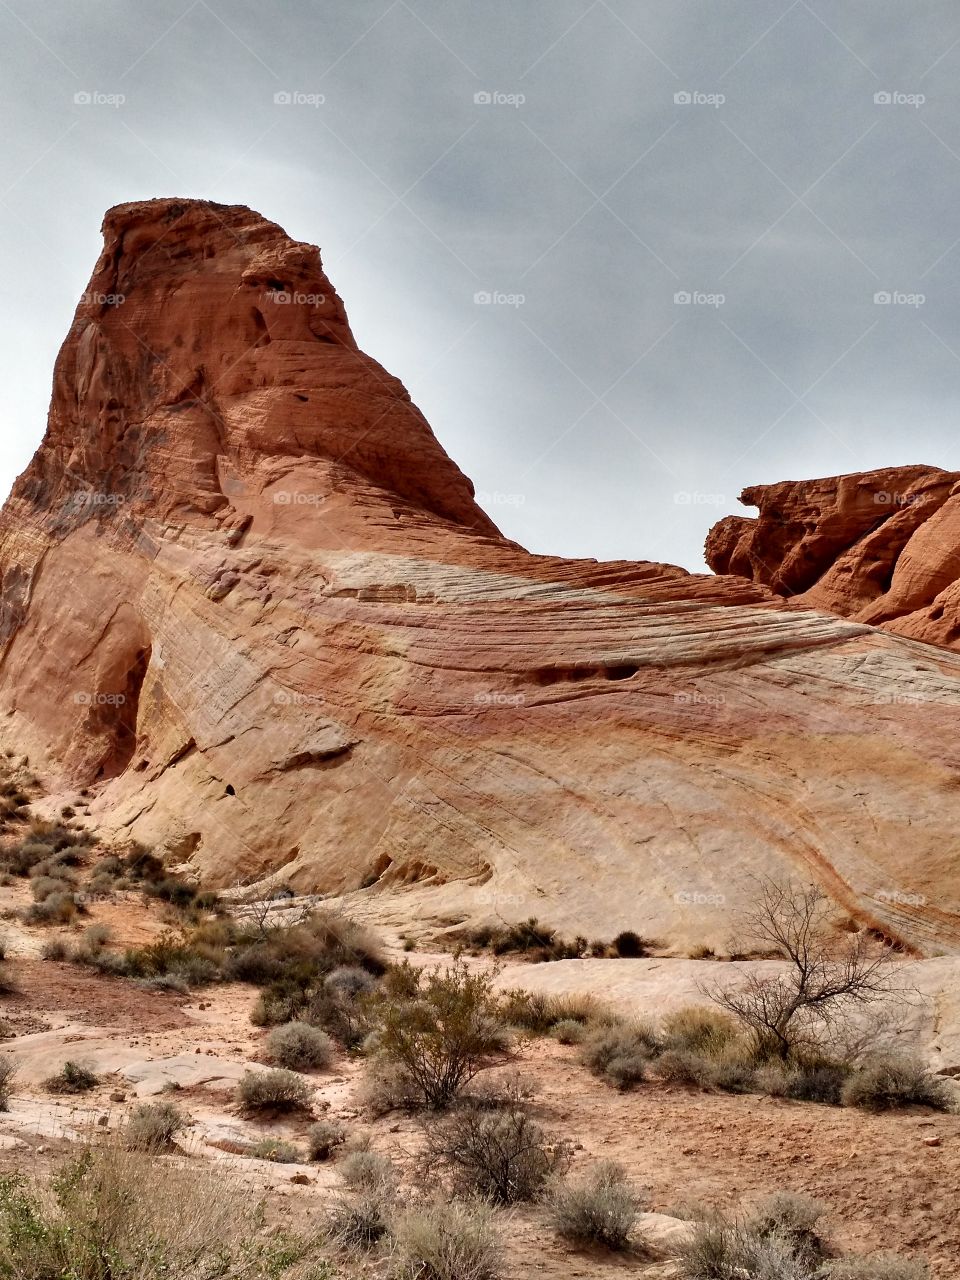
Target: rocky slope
882, 547
249, 600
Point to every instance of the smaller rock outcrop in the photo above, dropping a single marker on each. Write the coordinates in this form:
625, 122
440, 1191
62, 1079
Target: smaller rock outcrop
880, 547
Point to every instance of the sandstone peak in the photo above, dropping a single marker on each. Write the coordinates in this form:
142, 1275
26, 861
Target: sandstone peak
250, 602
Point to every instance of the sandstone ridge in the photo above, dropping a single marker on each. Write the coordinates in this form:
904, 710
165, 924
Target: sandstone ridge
249, 600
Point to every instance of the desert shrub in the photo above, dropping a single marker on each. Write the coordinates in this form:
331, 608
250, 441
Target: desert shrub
277, 1150
501, 1156
73, 1077
277, 1090
299, 1046
700, 1029
387, 1086
569, 1032
338, 1014
8, 1073
536, 941
96, 936
810, 1080
734, 1072
794, 1218
58, 908
442, 1241
359, 1220
621, 1054
629, 945
537, 1012
888, 1082
877, 1266
116, 1214
154, 1125
437, 1026
685, 1066
43, 886
349, 982
323, 1138
54, 949
601, 1208
722, 1249
364, 1169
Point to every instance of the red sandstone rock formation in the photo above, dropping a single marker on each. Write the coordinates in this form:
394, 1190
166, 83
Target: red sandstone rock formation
881, 547
249, 600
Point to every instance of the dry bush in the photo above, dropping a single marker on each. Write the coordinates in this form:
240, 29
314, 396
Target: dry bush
877, 1266
276, 1150
387, 1087
154, 1125
793, 1217
8, 1073
620, 1053
569, 1032
602, 1208
699, 1029
889, 1082
364, 1169
115, 1214
685, 1066
73, 1077
537, 1012
439, 1027
299, 1046
323, 1138
276, 1091
827, 978
808, 1079
501, 1156
446, 1241
359, 1220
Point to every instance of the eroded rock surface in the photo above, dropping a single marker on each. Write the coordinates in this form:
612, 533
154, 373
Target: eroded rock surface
250, 601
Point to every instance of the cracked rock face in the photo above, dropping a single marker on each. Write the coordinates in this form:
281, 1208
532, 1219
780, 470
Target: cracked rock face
250, 601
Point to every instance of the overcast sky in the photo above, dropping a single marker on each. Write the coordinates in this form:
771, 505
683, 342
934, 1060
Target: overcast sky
581, 163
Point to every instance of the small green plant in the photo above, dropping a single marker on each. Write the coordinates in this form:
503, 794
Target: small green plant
447, 1241
154, 1125
73, 1077
275, 1091
277, 1150
323, 1138
600, 1209
299, 1046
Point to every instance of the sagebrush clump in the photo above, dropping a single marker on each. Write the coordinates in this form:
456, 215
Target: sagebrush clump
601, 1208
278, 1091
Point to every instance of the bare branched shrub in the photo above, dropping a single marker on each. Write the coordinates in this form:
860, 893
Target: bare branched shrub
444, 1241
601, 1209
828, 975
501, 1156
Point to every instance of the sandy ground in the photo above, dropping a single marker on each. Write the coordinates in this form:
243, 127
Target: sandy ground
891, 1181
